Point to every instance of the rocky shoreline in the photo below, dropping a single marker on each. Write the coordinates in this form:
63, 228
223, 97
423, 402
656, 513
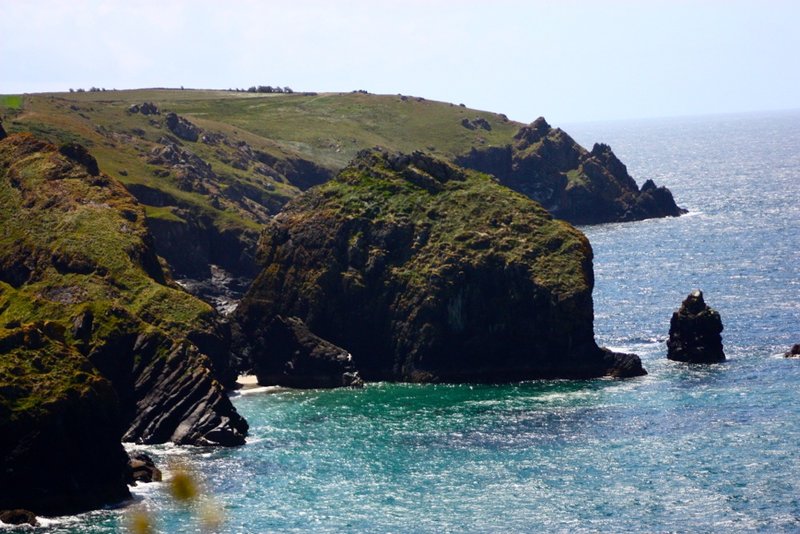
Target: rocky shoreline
404, 267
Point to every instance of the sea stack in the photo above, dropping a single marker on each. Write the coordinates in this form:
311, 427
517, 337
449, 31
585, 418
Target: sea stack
694, 332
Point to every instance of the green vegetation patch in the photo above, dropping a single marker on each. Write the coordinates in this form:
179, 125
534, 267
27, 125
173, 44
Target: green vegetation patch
11, 101
466, 218
72, 243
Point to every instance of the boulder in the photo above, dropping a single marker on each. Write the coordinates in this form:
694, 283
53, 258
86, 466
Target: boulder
182, 127
694, 332
147, 108
794, 352
293, 356
428, 272
143, 469
18, 517
3, 133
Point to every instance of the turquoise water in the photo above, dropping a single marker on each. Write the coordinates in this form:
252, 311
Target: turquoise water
710, 448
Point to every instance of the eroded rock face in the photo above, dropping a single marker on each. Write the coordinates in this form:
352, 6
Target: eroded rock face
177, 398
79, 154
182, 127
694, 332
99, 281
576, 185
288, 354
427, 272
60, 450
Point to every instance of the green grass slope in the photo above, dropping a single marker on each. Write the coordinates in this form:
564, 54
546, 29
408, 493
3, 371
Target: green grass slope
76, 257
256, 151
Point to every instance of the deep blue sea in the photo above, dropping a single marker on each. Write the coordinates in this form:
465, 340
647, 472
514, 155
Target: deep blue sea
712, 448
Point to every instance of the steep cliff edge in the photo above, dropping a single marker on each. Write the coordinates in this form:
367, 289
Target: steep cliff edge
75, 252
576, 185
60, 450
427, 272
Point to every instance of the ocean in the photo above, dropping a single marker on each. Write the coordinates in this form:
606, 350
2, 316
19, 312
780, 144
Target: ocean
711, 448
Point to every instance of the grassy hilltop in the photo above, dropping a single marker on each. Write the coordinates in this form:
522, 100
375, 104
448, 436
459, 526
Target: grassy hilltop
216, 172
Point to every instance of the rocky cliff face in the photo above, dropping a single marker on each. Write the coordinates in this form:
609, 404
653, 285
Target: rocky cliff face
75, 253
60, 448
295, 357
582, 187
428, 272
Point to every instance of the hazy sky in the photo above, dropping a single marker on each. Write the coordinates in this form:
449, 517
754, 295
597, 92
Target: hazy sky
567, 60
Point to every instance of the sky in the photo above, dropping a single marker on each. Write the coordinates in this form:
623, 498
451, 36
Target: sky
570, 61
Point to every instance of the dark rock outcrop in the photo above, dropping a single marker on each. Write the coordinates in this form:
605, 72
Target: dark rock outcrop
428, 272
3, 133
143, 468
79, 154
192, 244
146, 108
177, 398
694, 332
18, 517
794, 352
182, 127
288, 354
192, 171
582, 187
60, 450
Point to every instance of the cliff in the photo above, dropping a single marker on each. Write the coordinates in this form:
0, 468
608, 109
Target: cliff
582, 187
75, 253
427, 272
211, 167
60, 451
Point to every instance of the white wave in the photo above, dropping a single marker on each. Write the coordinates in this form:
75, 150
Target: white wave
259, 390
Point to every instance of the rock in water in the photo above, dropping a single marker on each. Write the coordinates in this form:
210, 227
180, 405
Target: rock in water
295, 357
18, 517
694, 332
794, 352
143, 468
428, 272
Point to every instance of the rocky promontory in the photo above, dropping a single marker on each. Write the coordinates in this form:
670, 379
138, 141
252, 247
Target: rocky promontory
425, 272
694, 332
580, 186
289, 354
97, 341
